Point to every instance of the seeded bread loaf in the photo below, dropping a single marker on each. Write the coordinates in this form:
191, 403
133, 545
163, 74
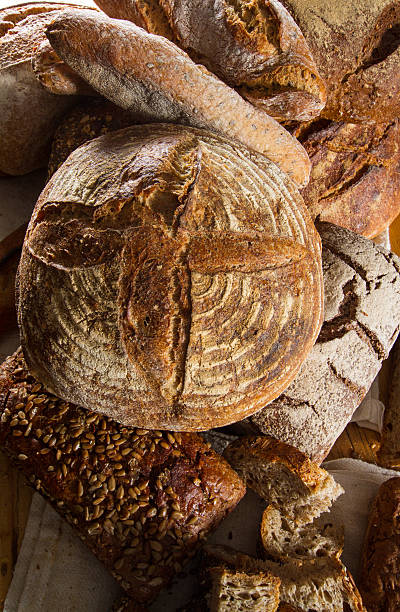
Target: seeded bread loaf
355, 173
148, 74
355, 46
321, 584
240, 591
253, 46
127, 605
284, 477
362, 319
388, 454
185, 274
29, 112
86, 121
140, 500
380, 569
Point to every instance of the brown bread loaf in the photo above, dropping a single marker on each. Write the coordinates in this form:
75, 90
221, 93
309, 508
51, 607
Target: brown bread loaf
355, 46
185, 274
355, 173
362, 320
388, 454
86, 121
253, 46
380, 570
29, 112
140, 500
150, 75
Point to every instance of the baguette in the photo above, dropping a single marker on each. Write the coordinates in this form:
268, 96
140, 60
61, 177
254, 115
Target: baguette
148, 74
380, 565
140, 500
253, 46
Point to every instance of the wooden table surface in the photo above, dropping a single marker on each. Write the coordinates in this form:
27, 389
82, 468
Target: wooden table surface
15, 495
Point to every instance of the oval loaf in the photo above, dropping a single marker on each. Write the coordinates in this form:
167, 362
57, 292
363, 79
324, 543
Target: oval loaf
173, 271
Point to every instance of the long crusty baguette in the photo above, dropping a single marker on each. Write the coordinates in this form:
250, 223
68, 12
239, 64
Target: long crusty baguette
149, 74
140, 500
253, 46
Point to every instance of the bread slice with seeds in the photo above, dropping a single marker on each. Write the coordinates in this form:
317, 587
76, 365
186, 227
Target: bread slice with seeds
241, 591
321, 584
282, 540
283, 476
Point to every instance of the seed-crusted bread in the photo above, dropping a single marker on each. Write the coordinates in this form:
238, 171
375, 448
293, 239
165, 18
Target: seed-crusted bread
380, 566
321, 584
283, 476
140, 500
253, 46
240, 591
281, 539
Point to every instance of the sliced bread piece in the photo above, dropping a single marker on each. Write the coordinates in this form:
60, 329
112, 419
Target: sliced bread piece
281, 540
240, 591
321, 584
283, 476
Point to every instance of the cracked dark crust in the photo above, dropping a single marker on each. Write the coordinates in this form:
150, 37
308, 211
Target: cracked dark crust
255, 47
356, 49
159, 494
318, 432
355, 174
380, 570
148, 231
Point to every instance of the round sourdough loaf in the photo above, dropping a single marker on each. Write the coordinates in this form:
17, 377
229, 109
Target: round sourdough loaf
30, 76
173, 272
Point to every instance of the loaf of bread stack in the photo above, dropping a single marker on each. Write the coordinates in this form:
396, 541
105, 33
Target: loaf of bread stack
171, 274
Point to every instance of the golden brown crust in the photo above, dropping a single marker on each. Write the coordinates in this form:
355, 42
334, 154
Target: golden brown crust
355, 174
380, 571
355, 46
150, 75
140, 500
253, 46
196, 342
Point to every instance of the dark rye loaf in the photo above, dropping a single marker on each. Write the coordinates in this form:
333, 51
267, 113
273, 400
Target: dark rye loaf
140, 500
362, 319
356, 48
388, 454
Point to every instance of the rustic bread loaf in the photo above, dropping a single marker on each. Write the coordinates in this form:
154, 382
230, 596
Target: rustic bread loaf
253, 46
388, 454
86, 121
362, 319
29, 112
150, 75
140, 500
355, 46
185, 275
281, 539
380, 570
284, 477
355, 173
321, 584
240, 591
